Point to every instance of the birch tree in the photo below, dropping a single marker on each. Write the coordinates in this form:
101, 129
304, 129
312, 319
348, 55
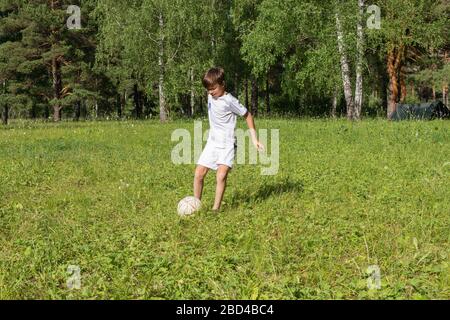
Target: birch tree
353, 101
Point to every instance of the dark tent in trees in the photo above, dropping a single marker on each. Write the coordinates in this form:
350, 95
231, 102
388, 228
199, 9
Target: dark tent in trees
423, 111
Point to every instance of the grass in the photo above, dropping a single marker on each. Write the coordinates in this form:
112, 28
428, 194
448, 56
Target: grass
103, 196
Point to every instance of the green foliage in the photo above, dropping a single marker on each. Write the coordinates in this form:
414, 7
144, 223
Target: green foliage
40, 36
420, 24
303, 39
292, 43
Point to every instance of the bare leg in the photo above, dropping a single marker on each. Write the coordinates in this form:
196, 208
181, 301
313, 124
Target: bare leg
222, 174
200, 173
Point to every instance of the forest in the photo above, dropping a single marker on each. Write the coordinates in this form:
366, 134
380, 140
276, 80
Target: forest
141, 59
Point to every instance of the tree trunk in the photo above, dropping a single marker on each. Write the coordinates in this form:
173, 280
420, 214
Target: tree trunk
137, 102
5, 114
162, 98
96, 108
84, 110
56, 113
5, 111
254, 97
77, 111
56, 70
33, 111
123, 102
119, 105
345, 70
382, 82
395, 58
143, 103
246, 94
445, 89
192, 93
46, 112
434, 92
393, 84
57, 88
403, 89
267, 94
384, 90
334, 103
359, 63
445, 95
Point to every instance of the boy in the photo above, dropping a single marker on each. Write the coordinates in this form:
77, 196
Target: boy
220, 148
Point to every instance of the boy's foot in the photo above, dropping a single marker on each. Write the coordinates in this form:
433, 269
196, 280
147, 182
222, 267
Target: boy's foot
206, 210
220, 209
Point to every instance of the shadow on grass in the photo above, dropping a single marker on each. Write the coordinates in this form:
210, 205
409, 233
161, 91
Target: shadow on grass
265, 191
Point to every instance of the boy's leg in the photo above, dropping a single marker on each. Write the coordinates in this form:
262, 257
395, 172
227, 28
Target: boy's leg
222, 174
200, 173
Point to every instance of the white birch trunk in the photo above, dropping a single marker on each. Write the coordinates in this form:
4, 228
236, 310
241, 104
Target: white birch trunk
162, 98
335, 102
359, 63
345, 70
192, 93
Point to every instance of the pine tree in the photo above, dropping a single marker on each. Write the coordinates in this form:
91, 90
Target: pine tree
48, 59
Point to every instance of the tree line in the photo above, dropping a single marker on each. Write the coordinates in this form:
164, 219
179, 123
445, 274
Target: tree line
146, 58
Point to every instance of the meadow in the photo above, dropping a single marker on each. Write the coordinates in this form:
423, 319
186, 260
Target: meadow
103, 196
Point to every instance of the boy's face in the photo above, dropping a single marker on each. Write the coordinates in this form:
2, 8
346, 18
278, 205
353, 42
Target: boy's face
216, 91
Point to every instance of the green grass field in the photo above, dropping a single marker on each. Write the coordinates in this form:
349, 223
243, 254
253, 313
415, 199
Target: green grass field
103, 196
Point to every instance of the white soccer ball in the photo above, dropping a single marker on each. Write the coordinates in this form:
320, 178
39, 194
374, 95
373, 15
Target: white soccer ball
188, 206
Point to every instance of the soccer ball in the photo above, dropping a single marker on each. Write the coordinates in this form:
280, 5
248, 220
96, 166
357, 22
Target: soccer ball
188, 206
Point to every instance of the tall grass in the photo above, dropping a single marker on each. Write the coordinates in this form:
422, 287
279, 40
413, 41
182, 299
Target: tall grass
103, 196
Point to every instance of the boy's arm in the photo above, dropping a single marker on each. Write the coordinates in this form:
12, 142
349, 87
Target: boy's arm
251, 125
240, 110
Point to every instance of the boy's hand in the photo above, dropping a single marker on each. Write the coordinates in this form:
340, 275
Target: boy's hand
259, 146
251, 125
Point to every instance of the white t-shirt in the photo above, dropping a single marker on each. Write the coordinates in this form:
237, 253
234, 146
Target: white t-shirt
222, 113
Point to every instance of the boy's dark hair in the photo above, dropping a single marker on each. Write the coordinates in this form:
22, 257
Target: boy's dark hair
214, 76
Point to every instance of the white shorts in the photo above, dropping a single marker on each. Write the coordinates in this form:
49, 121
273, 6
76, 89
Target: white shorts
214, 155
